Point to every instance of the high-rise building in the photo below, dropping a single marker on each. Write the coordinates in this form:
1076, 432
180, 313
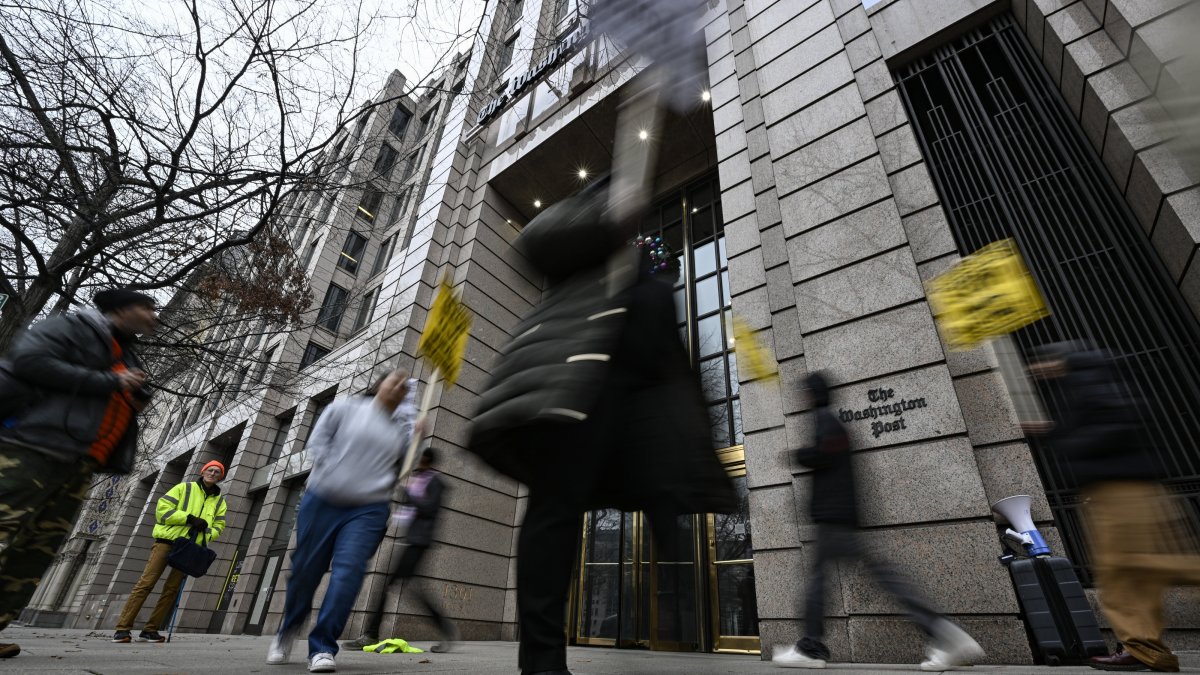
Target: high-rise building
842, 154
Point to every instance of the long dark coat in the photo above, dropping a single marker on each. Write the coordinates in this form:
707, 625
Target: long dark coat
598, 369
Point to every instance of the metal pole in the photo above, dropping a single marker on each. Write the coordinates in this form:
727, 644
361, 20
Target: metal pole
175, 608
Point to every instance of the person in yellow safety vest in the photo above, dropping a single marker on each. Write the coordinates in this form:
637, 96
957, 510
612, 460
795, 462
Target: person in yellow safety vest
189, 509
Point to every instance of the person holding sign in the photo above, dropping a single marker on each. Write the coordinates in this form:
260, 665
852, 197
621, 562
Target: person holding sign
1130, 520
357, 446
417, 520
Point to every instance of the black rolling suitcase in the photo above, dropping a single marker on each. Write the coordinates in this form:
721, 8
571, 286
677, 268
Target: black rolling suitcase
1062, 626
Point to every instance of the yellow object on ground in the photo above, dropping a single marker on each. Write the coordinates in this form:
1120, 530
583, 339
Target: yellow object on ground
392, 646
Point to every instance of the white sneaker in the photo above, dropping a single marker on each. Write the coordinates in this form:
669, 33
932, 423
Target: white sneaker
322, 663
281, 649
955, 648
790, 657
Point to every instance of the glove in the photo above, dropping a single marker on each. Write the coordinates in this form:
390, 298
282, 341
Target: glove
198, 523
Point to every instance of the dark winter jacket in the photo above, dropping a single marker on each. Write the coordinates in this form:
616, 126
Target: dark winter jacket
1098, 431
832, 498
598, 367
68, 359
551, 371
420, 530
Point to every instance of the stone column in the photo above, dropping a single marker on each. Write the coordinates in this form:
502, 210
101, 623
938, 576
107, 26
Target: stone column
829, 211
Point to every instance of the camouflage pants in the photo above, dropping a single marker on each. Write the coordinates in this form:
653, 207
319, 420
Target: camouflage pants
39, 501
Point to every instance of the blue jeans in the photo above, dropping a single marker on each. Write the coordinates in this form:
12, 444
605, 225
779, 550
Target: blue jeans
345, 536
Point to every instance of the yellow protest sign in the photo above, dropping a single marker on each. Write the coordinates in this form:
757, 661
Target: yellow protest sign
754, 358
987, 294
444, 341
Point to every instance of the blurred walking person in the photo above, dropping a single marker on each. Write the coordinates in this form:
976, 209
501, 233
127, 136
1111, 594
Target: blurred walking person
593, 405
193, 509
1129, 517
357, 447
417, 519
70, 391
835, 512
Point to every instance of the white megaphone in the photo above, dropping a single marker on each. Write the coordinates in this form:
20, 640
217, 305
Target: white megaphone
1015, 510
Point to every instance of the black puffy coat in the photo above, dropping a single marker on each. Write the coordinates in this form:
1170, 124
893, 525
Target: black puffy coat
598, 368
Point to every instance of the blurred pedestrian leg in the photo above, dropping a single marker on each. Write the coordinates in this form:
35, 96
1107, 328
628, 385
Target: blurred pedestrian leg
40, 498
418, 518
70, 390
1136, 556
1135, 534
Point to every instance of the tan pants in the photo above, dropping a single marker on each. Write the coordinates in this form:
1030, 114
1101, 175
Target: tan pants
141, 590
1136, 554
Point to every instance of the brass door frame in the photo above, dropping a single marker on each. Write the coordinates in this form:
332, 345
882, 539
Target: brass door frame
635, 564
638, 562
734, 461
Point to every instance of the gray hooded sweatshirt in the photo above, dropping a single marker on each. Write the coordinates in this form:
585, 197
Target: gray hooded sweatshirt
357, 448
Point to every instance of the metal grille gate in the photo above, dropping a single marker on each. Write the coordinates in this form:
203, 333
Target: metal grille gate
1008, 160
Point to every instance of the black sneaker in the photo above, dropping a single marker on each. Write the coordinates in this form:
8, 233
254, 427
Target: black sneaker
360, 642
150, 636
7, 651
122, 636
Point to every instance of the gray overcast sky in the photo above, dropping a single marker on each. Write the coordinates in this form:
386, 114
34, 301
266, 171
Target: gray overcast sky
413, 35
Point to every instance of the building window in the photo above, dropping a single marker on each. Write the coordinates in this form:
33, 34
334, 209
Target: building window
312, 251
515, 9
235, 387
336, 156
361, 125
299, 229
261, 373
428, 120
365, 310
692, 229
368, 207
504, 58
385, 161
410, 164
352, 252
401, 204
383, 255
282, 426
561, 7
399, 122
312, 353
332, 308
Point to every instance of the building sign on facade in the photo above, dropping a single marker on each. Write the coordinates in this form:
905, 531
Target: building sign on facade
885, 412
566, 47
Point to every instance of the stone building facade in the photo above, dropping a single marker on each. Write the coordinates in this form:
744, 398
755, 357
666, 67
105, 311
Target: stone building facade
841, 156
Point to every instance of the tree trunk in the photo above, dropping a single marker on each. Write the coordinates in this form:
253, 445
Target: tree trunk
13, 322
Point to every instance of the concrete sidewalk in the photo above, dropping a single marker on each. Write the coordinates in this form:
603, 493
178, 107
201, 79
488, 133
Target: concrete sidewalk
79, 652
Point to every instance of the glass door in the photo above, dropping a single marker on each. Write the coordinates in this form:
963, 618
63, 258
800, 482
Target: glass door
605, 573
695, 591
633, 593
734, 608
